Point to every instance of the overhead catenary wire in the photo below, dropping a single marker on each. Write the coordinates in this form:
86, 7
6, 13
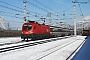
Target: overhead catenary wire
37, 6
48, 8
81, 10
41, 8
14, 15
10, 5
55, 12
17, 8
67, 9
30, 11
13, 21
45, 6
10, 8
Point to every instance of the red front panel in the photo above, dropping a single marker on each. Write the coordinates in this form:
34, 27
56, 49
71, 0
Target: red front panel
27, 28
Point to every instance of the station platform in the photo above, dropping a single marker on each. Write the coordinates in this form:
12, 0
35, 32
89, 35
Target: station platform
84, 52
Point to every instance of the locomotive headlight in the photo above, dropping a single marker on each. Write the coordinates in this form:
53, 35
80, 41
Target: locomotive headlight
22, 32
31, 31
47, 30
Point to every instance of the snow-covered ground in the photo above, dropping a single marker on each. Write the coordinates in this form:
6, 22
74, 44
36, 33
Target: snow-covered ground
9, 40
54, 50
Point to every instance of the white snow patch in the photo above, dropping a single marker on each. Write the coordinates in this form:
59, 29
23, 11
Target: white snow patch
34, 52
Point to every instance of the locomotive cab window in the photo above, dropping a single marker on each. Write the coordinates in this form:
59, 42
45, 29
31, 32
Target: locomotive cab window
27, 27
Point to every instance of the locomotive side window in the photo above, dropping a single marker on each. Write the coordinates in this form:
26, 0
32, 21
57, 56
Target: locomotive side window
34, 27
27, 27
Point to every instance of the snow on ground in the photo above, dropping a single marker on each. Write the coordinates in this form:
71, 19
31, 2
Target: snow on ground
9, 40
41, 50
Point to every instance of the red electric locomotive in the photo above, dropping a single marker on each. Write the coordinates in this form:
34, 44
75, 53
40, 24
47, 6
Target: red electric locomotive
33, 30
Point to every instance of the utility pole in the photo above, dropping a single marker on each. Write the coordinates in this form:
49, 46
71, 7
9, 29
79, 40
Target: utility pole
24, 11
75, 28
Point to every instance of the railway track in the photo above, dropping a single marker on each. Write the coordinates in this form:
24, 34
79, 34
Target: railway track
2, 44
19, 45
75, 51
51, 51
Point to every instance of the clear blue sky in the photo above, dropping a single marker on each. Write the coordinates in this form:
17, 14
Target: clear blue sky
40, 8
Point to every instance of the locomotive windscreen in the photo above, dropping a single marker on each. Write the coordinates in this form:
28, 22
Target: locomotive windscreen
27, 27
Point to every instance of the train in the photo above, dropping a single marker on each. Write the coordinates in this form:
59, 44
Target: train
85, 31
34, 30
